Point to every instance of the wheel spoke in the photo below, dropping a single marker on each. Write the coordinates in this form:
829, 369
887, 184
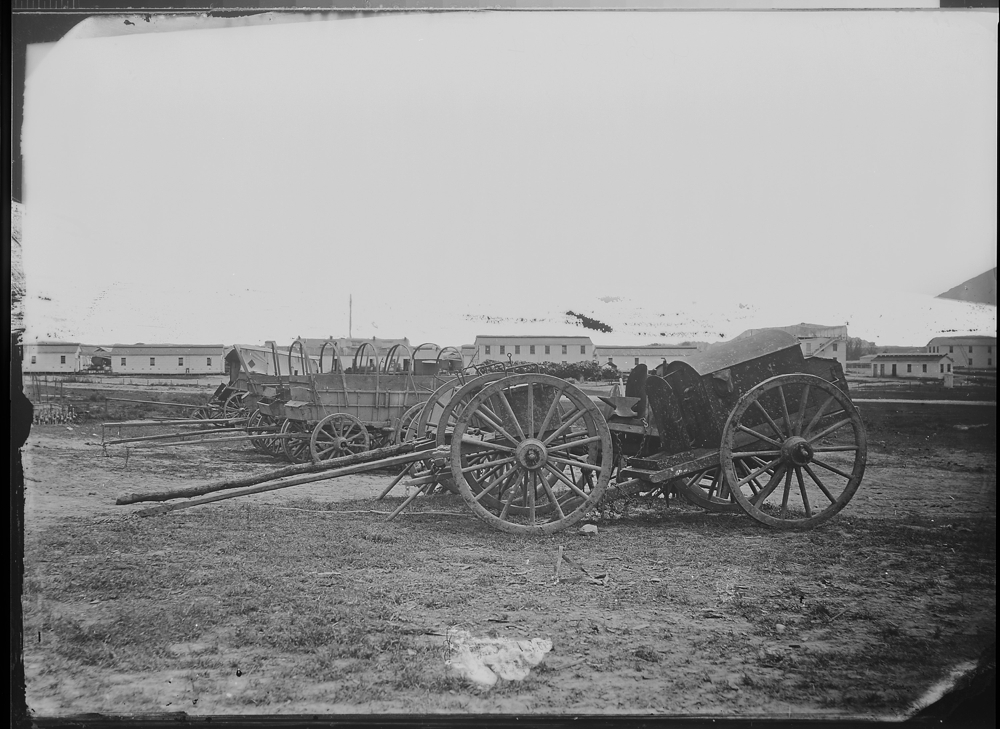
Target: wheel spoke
580, 464
495, 482
552, 497
553, 408
719, 487
753, 483
565, 426
836, 426
748, 454
492, 465
819, 483
832, 469
835, 449
769, 487
507, 503
757, 472
575, 443
784, 497
784, 410
531, 410
493, 422
488, 444
770, 420
758, 436
802, 490
510, 412
562, 477
802, 409
819, 414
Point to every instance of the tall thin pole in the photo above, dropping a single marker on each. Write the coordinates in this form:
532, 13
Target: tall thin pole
350, 315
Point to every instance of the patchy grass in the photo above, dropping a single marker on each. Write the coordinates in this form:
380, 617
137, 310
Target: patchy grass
256, 608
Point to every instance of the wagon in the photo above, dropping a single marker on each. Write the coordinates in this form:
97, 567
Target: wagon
750, 425
348, 410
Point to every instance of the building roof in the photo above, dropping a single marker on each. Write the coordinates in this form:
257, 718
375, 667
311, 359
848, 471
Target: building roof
553, 338
802, 330
90, 349
55, 347
910, 357
969, 339
164, 349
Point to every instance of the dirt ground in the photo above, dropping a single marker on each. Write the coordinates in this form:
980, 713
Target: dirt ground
929, 484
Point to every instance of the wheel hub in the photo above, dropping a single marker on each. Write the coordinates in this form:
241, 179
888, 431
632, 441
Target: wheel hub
531, 454
797, 450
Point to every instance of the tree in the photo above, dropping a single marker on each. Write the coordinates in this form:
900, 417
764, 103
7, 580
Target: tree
856, 348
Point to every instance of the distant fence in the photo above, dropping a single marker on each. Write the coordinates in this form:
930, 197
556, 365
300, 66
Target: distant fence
189, 381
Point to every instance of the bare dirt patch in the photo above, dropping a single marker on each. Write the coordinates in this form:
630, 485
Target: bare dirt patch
305, 601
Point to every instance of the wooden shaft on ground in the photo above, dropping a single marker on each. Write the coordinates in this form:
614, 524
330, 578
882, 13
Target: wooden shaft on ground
294, 481
365, 458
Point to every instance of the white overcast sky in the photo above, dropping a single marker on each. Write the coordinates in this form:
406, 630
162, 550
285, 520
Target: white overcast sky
238, 184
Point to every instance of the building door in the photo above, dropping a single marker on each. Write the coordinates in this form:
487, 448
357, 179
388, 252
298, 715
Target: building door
894, 370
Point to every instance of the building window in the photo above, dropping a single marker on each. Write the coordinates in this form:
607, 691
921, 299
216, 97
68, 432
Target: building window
941, 368
989, 349
180, 361
33, 359
517, 349
970, 350
949, 368
637, 360
503, 349
564, 349
123, 361
989, 361
547, 349
909, 368
208, 361
970, 362
531, 349
951, 350
583, 349
925, 368
152, 361
62, 359
834, 346
486, 349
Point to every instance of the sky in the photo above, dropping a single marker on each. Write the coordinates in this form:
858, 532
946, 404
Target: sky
685, 176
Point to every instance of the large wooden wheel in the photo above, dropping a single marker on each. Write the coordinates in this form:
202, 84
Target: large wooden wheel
708, 489
202, 412
259, 424
447, 418
531, 454
405, 428
426, 422
296, 447
234, 406
805, 446
338, 435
